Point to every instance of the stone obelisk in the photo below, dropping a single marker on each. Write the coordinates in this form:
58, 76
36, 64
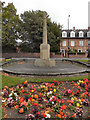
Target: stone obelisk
44, 60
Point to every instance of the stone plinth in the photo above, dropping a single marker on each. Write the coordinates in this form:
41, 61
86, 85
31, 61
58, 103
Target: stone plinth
45, 51
44, 60
44, 63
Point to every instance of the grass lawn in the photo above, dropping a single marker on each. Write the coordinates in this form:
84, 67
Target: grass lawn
12, 81
85, 61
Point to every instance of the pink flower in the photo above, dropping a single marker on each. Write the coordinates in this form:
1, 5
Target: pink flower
61, 81
31, 115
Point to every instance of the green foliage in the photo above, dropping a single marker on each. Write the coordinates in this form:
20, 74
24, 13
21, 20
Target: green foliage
10, 27
32, 32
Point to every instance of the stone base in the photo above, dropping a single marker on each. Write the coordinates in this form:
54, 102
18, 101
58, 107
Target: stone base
44, 63
45, 51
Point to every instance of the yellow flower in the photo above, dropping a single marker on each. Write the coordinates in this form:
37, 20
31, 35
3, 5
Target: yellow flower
46, 111
82, 81
79, 80
72, 98
78, 104
79, 100
54, 90
42, 86
32, 91
78, 83
33, 99
21, 87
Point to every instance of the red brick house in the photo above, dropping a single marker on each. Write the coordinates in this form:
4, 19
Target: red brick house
75, 39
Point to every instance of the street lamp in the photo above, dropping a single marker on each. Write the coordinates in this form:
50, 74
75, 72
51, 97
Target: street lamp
68, 36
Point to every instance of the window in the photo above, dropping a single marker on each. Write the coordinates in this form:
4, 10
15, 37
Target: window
72, 34
64, 34
89, 43
62, 50
72, 43
79, 50
80, 34
80, 43
88, 34
64, 43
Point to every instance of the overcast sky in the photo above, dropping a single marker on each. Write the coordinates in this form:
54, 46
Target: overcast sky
58, 10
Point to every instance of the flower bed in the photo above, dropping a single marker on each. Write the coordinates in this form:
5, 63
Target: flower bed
47, 100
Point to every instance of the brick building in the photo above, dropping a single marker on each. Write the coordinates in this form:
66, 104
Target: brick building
76, 39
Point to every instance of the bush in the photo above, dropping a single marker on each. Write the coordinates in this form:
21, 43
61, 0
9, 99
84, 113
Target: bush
81, 53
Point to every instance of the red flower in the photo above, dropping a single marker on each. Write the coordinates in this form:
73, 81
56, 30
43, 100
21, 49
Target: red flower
44, 115
35, 104
16, 106
61, 81
77, 91
57, 100
74, 115
30, 98
39, 108
63, 107
65, 115
21, 110
38, 113
86, 89
26, 94
22, 90
62, 100
55, 81
25, 82
45, 101
72, 93
52, 84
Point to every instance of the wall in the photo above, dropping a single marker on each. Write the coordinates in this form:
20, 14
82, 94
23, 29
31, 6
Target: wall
84, 47
37, 55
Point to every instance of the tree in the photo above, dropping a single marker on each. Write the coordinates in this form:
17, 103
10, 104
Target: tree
10, 27
32, 32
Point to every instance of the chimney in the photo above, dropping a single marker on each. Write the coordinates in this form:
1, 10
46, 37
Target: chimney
73, 28
89, 15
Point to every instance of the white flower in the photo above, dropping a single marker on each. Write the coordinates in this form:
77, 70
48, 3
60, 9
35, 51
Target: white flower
50, 92
15, 94
11, 98
3, 101
47, 115
10, 94
2, 93
52, 102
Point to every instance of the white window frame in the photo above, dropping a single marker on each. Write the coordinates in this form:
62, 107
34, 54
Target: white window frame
73, 44
81, 43
79, 49
81, 34
88, 42
64, 34
72, 34
62, 50
88, 34
64, 43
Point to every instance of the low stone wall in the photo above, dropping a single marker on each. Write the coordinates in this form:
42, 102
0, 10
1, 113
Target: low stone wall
37, 55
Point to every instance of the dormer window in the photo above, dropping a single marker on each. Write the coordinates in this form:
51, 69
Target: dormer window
88, 34
81, 34
64, 34
72, 34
